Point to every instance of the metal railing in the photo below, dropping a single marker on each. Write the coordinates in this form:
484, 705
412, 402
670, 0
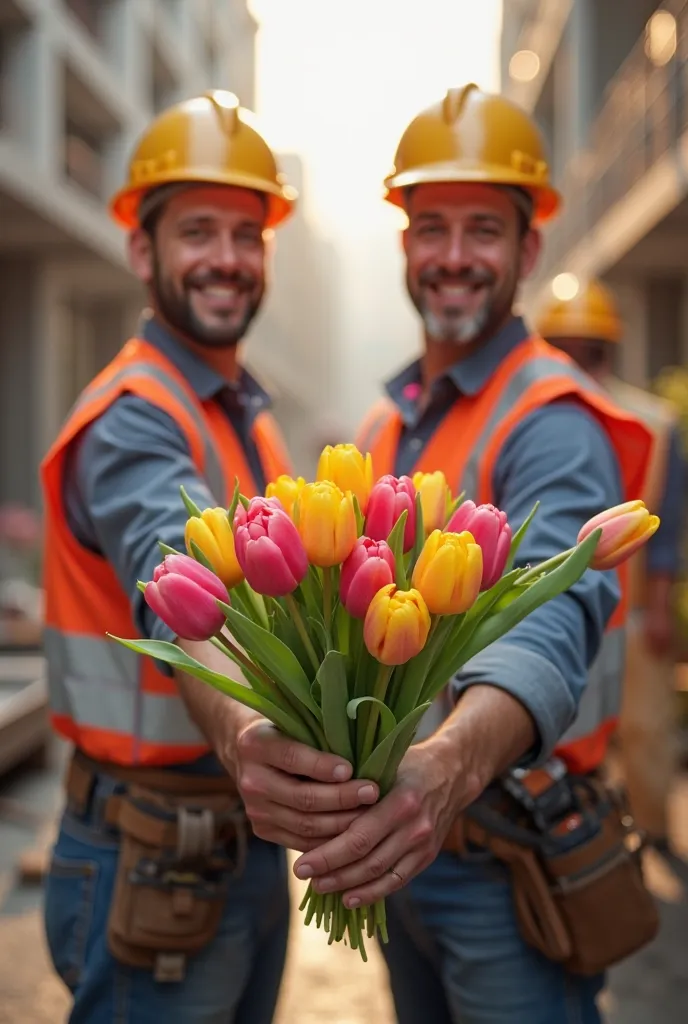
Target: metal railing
644, 114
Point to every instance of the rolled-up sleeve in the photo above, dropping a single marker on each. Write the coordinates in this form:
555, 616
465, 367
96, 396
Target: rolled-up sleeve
664, 549
124, 487
561, 457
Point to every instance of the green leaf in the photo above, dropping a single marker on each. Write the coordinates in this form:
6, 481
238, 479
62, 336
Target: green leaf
544, 589
316, 628
174, 656
519, 535
419, 539
199, 556
233, 504
167, 550
269, 651
454, 505
396, 543
387, 720
399, 739
399, 748
191, 506
334, 695
360, 518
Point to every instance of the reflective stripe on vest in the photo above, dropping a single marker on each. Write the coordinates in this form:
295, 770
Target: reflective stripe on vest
112, 703
469, 467
212, 470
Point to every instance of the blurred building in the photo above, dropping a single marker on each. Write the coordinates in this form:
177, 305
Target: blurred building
79, 79
291, 346
608, 83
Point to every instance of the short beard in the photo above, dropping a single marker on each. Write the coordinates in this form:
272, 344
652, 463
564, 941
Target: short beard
178, 312
463, 330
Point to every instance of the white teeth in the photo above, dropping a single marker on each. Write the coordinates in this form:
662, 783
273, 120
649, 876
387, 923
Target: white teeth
220, 292
455, 291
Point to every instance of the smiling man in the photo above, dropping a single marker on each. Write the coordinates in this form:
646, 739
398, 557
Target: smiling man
160, 902
509, 421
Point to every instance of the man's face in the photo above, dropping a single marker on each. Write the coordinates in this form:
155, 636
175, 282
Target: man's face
593, 356
206, 262
465, 253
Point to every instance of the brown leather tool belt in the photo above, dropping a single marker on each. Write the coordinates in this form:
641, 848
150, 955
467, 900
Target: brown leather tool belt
182, 838
574, 856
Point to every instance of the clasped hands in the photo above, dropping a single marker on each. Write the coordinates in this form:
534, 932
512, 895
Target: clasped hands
351, 840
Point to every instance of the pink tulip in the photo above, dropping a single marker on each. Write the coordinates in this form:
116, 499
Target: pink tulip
625, 528
369, 567
268, 547
490, 530
388, 499
184, 594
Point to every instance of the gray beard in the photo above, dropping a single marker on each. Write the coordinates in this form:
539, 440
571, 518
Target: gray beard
459, 330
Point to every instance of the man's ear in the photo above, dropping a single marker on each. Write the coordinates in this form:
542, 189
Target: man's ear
531, 245
140, 253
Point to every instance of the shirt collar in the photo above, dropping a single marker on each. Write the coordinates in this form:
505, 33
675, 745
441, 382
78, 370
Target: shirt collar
202, 378
468, 376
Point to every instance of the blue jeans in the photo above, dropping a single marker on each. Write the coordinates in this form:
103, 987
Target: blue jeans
234, 980
455, 955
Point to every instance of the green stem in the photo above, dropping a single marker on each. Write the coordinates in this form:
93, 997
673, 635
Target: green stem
327, 602
379, 690
293, 606
255, 601
538, 570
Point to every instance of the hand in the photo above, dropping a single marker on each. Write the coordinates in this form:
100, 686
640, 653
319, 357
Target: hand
295, 796
385, 847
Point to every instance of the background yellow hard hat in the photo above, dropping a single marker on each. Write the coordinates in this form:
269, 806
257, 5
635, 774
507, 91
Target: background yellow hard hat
208, 139
474, 136
590, 313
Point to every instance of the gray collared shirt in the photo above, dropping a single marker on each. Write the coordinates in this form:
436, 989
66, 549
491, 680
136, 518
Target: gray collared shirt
560, 456
123, 473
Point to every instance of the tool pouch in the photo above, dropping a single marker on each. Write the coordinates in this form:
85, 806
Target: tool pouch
578, 887
177, 855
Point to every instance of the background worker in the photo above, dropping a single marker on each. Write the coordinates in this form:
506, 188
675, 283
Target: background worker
588, 328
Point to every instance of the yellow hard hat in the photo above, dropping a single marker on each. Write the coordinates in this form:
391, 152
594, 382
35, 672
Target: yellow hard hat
590, 313
474, 136
209, 139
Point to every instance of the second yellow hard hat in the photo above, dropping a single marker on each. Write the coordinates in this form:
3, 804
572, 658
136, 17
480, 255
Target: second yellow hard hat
474, 136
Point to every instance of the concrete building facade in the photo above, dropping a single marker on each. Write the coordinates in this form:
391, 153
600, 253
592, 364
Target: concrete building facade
79, 80
608, 83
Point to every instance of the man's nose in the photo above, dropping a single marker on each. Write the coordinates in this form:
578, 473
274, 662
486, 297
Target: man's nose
225, 255
456, 256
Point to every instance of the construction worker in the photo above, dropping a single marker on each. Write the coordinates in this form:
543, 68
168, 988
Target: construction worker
509, 420
587, 326
160, 903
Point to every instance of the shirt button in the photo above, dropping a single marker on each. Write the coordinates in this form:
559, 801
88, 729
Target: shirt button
256, 401
415, 444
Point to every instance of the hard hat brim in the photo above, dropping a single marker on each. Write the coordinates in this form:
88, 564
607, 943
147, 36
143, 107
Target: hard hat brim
124, 205
546, 200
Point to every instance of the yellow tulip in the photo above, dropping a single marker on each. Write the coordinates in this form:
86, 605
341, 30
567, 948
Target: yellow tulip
213, 535
286, 489
326, 520
434, 499
448, 572
396, 625
344, 465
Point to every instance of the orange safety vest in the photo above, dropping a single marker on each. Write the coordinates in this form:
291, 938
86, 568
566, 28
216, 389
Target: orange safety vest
466, 447
111, 703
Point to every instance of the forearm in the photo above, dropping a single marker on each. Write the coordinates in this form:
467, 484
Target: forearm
487, 732
219, 718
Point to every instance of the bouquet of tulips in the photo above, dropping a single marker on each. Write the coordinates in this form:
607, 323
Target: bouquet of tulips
349, 605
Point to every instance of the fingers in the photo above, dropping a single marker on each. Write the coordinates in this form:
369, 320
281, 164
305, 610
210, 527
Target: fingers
392, 880
261, 742
414, 838
259, 784
280, 837
271, 819
362, 837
